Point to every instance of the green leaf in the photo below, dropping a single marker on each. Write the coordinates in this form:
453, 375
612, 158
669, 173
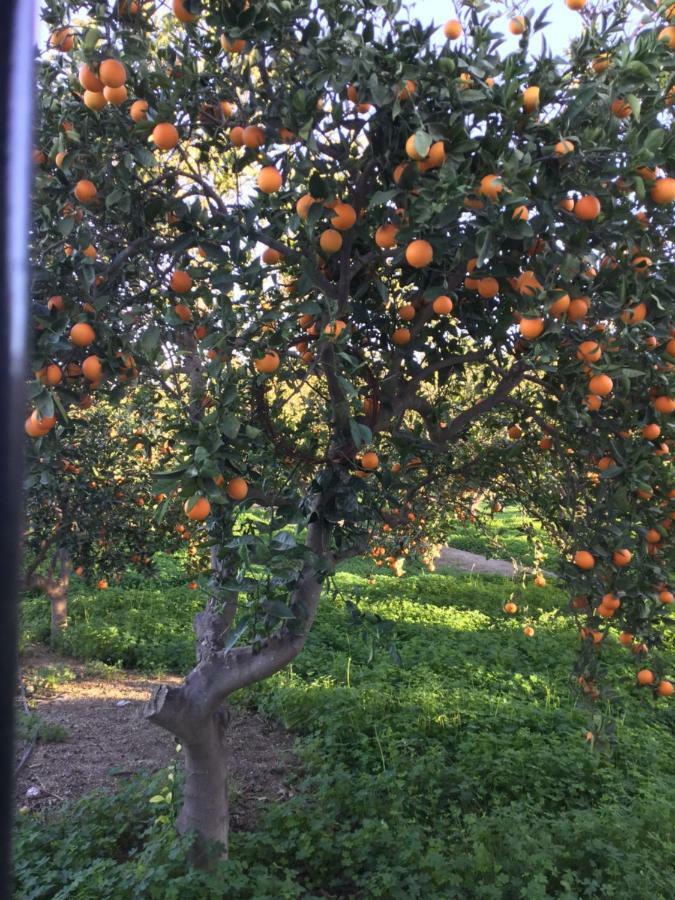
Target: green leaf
635, 105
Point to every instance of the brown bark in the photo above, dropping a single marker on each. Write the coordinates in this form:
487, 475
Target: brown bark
193, 712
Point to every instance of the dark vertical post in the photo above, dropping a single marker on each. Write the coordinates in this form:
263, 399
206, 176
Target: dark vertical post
16, 109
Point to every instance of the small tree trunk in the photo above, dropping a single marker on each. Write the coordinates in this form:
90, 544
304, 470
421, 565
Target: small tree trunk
58, 598
205, 811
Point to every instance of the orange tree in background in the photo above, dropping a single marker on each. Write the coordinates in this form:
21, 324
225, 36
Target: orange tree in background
90, 503
363, 256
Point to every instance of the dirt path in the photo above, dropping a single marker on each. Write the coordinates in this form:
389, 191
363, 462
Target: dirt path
107, 739
464, 561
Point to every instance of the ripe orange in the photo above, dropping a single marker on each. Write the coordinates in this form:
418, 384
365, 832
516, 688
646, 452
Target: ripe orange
645, 677
511, 608
180, 282
562, 148
385, 236
587, 208
88, 79
517, 25
531, 328
344, 216
304, 204
139, 110
92, 368
111, 73
419, 254
651, 431
514, 432
254, 137
531, 99
491, 186
401, 337
663, 404
407, 312
55, 303
528, 284
576, 4
268, 363
271, 257
52, 375
589, 351
269, 179
436, 156
633, 315
528, 631
578, 309
370, 461
233, 47
63, 39
521, 212
115, 95
181, 13
488, 287
165, 135
601, 385
626, 638
664, 688
237, 488
666, 597
94, 100
621, 558
199, 511
621, 109
663, 191
330, 241
407, 91
601, 63
653, 536
82, 334
412, 151
667, 34
237, 136
584, 560
442, 305
452, 29
85, 191
183, 312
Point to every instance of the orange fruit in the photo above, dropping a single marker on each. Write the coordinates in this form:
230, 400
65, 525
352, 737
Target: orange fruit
511, 608
180, 281
85, 191
578, 309
330, 241
165, 135
63, 39
82, 334
521, 212
621, 558
88, 79
633, 315
254, 137
531, 328
531, 99
651, 431
199, 511
344, 217
401, 337
442, 305
576, 4
664, 688
562, 148
233, 47
55, 303
237, 488
271, 256
663, 404
115, 95
111, 73
528, 284
491, 186
514, 432
268, 363
528, 631
488, 287
663, 191
412, 151
94, 100
407, 312
601, 385
452, 29
601, 63
645, 677
584, 560
517, 25
269, 179
589, 351
237, 136
621, 109
419, 254
181, 13
139, 110
407, 91
183, 312
304, 204
652, 536
587, 208
92, 368
666, 597
385, 236
667, 34
370, 461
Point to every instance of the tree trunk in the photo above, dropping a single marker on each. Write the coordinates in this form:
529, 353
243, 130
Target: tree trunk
205, 810
58, 598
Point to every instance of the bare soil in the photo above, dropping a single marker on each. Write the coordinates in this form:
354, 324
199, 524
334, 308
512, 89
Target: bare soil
108, 739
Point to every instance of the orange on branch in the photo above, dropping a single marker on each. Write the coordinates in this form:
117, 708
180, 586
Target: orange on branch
237, 488
419, 254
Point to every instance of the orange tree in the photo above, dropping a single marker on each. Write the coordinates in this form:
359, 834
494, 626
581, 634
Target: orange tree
362, 254
90, 502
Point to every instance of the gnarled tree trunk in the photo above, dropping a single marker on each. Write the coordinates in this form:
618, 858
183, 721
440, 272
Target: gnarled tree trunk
195, 711
55, 585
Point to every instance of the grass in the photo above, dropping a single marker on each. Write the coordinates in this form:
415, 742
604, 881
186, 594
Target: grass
505, 535
443, 757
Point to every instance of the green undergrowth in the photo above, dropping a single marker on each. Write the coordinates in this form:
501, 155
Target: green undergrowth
442, 755
508, 534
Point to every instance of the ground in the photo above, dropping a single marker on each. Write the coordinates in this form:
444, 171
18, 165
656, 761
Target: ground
108, 739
